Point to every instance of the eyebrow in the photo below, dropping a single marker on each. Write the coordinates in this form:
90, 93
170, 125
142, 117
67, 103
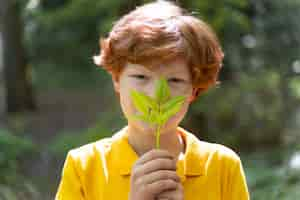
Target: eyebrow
142, 69
178, 72
138, 70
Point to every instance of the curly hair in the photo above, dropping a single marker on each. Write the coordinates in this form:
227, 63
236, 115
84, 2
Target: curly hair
159, 31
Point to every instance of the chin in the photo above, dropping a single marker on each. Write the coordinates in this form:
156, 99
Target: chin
174, 121
144, 127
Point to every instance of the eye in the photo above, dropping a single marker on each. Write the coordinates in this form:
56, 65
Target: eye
139, 76
176, 80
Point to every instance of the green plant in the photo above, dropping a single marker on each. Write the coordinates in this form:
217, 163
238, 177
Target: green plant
156, 111
67, 140
13, 150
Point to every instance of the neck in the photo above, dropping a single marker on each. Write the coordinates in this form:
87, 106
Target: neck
143, 141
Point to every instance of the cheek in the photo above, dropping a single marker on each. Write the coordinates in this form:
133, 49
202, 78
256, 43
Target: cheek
183, 109
126, 103
181, 89
124, 100
177, 118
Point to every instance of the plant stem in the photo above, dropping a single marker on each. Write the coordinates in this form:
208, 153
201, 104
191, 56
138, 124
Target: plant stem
157, 137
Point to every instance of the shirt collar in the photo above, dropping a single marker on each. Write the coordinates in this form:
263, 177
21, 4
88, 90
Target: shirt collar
192, 163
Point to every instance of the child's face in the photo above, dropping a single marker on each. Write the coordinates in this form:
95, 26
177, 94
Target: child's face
142, 79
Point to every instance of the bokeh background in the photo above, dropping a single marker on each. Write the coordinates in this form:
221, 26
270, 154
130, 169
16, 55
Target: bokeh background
53, 98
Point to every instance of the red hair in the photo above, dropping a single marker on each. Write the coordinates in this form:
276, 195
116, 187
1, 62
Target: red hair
160, 31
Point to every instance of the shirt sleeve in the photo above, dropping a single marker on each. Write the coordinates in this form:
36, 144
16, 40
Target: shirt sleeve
69, 187
238, 189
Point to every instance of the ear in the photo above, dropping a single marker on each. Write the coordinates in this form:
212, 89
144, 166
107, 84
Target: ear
116, 83
194, 95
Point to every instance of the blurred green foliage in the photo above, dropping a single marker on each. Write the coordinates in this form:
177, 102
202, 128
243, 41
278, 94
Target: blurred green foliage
269, 175
65, 141
13, 152
12, 149
246, 115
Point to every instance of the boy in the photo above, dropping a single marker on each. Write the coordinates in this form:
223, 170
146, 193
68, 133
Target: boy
157, 39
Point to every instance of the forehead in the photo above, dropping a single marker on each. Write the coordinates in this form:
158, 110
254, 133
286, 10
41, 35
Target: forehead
175, 65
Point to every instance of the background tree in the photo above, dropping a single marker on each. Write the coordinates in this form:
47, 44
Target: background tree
17, 77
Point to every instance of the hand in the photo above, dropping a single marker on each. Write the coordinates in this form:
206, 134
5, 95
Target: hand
152, 174
175, 194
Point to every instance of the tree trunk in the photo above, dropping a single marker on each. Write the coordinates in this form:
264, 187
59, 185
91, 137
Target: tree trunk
17, 80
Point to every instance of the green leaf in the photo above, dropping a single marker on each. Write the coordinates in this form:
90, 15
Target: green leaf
139, 102
151, 103
143, 102
139, 117
154, 117
178, 100
162, 91
174, 106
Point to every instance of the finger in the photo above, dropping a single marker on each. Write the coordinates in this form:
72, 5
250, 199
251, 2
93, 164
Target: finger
154, 154
155, 165
160, 175
157, 198
168, 194
171, 194
160, 186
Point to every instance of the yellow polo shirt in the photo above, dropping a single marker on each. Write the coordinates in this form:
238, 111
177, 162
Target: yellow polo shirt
101, 170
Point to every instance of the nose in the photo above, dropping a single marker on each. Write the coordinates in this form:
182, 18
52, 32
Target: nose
150, 88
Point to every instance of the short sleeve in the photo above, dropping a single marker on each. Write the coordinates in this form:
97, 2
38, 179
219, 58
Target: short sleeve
238, 189
69, 187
